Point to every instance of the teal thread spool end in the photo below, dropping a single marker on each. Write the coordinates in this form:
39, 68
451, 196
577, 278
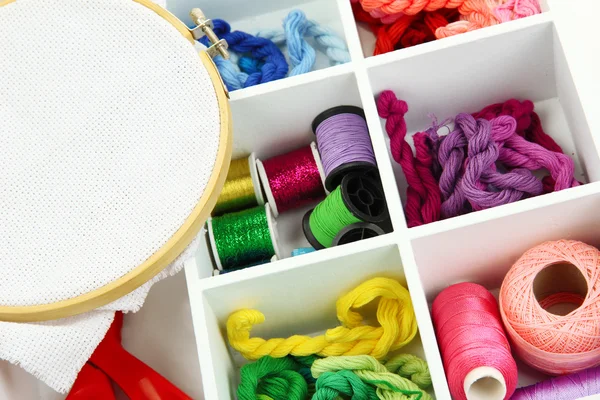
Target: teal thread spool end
359, 198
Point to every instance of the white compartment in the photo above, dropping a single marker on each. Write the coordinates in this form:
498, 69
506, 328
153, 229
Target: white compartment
368, 39
484, 252
293, 300
280, 121
522, 60
265, 15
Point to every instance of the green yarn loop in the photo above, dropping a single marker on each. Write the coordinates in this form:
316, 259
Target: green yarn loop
330, 217
272, 379
410, 367
402, 377
389, 385
332, 385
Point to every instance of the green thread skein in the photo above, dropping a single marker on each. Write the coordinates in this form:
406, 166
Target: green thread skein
334, 385
272, 379
410, 367
389, 385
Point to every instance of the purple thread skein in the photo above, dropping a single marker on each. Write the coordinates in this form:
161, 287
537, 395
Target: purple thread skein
342, 139
451, 157
566, 387
516, 151
480, 169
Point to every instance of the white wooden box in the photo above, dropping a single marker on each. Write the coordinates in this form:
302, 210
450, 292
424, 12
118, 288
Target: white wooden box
543, 58
533, 58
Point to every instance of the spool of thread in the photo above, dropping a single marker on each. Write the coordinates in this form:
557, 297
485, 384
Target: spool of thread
243, 238
550, 306
566, 387
242, 187
344, 143
217, 272
355, 232
474, 347
302, 250
359, 198
292, 180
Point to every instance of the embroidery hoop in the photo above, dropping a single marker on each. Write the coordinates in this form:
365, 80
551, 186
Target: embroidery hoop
191, 226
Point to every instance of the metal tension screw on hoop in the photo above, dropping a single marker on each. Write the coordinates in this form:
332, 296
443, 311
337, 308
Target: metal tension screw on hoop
205, 28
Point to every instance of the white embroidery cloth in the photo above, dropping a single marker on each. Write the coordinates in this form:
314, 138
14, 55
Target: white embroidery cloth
109, 130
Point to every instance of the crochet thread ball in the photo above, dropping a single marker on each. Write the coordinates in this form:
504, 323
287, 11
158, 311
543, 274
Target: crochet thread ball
555, 344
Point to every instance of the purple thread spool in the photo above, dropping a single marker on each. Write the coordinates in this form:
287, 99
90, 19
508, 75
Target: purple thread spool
344, 143
566, 387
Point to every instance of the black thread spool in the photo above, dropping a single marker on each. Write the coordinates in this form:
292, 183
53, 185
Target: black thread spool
361, 195
344, 143
355, 232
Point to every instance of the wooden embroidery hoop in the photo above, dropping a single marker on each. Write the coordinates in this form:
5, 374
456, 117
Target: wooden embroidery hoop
188, 230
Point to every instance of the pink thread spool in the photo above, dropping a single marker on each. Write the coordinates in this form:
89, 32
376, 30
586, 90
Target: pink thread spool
474, 347
550, 305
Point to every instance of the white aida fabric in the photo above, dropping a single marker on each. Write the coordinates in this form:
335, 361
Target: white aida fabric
109, 131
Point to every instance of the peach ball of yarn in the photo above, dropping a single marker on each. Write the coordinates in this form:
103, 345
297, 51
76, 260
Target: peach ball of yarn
554, 344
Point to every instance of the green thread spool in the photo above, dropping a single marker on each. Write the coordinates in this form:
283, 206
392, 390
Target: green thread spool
242, 188
359, 198
243, 238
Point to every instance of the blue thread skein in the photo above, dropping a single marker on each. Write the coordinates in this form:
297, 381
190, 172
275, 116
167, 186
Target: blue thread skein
275, 66
302, 55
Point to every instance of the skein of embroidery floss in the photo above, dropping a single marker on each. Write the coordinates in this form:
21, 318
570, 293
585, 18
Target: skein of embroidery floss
243, 238
566, 387
344, 143
474, 347
359, 198
293, 179
355, 232
242, 188
550, 305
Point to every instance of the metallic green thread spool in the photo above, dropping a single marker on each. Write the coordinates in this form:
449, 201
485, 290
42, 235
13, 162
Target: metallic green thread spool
243, 238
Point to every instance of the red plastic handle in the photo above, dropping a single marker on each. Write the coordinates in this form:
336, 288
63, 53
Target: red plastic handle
91, 384
136, 379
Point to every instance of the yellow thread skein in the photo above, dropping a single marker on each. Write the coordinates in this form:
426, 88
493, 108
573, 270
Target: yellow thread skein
395, 315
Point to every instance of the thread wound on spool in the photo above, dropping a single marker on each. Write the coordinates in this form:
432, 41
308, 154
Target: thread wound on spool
242, 238
344, 143
359, 198
239, 191
566, 387
292, 180
474, 347
555, 344
355, 232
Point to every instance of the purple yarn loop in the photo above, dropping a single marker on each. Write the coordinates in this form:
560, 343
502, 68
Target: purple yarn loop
483, 186
566, 387
342, 139
467, 157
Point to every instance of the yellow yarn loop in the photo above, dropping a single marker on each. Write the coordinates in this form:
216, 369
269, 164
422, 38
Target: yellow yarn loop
395, 315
